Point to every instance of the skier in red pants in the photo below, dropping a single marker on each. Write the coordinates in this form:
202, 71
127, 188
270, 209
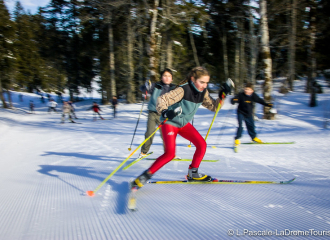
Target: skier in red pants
186, 98
96, 110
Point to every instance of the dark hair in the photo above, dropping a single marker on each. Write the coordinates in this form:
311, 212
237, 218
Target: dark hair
196, 72
249, 85
166, 70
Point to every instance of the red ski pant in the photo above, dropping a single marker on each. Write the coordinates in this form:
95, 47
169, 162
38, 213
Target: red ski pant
169, 137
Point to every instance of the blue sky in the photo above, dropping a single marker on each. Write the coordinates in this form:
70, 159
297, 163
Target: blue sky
31, 5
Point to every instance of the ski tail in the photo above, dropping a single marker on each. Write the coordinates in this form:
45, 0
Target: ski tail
131, 204
230, 83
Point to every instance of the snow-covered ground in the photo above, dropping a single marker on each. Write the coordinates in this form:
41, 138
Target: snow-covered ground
46, 168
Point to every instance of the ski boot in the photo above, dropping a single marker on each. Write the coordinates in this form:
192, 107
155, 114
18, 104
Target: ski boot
256, 140
194, 176
236, 145
142, 155
141, 180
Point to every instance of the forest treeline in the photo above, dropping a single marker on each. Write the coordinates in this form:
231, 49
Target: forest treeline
121, 43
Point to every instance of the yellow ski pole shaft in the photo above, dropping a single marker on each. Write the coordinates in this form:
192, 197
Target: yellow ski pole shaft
92, 193
215, 115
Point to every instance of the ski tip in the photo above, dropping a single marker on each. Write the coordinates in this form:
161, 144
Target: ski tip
90, 193
292, 179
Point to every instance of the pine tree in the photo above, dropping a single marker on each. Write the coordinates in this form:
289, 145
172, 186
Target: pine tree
7, 58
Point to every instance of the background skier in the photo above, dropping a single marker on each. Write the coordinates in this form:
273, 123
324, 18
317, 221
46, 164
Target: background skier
114, 103
52, 106
155, 90
245, 100
96, 110
66, 110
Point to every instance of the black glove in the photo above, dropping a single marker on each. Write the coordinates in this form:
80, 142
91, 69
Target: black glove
234, 100
170, 114
224, 90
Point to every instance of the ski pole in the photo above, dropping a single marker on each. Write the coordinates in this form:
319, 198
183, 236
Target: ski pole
91, 193
129, 149
229, 83
215, 115
189, 146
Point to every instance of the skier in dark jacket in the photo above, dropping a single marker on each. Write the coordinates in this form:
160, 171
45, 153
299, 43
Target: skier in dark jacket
155, 90
245, 100
31, 107
114, 103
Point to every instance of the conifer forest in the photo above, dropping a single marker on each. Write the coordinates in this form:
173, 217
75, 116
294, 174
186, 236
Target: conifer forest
122, 43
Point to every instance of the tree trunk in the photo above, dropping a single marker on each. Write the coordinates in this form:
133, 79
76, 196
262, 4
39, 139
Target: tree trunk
4, 104
312, 65
130, 80
292, 45
266, 58
253, 51
140, 73
225, 52
163, 53
192, 42
311, 49
236, 76
169, 52
242, 62
113, 91
152, 51
169, 41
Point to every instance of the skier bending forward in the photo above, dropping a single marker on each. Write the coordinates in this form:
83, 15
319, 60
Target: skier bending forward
189, 95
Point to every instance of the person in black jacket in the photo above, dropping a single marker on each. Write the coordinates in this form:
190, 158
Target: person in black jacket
245, 101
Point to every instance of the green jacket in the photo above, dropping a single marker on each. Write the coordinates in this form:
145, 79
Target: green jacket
192, 99
157, 89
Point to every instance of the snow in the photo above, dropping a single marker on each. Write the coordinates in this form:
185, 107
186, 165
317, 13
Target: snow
46, 168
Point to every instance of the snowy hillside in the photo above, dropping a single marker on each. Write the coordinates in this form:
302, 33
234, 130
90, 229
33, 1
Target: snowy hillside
46, 168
